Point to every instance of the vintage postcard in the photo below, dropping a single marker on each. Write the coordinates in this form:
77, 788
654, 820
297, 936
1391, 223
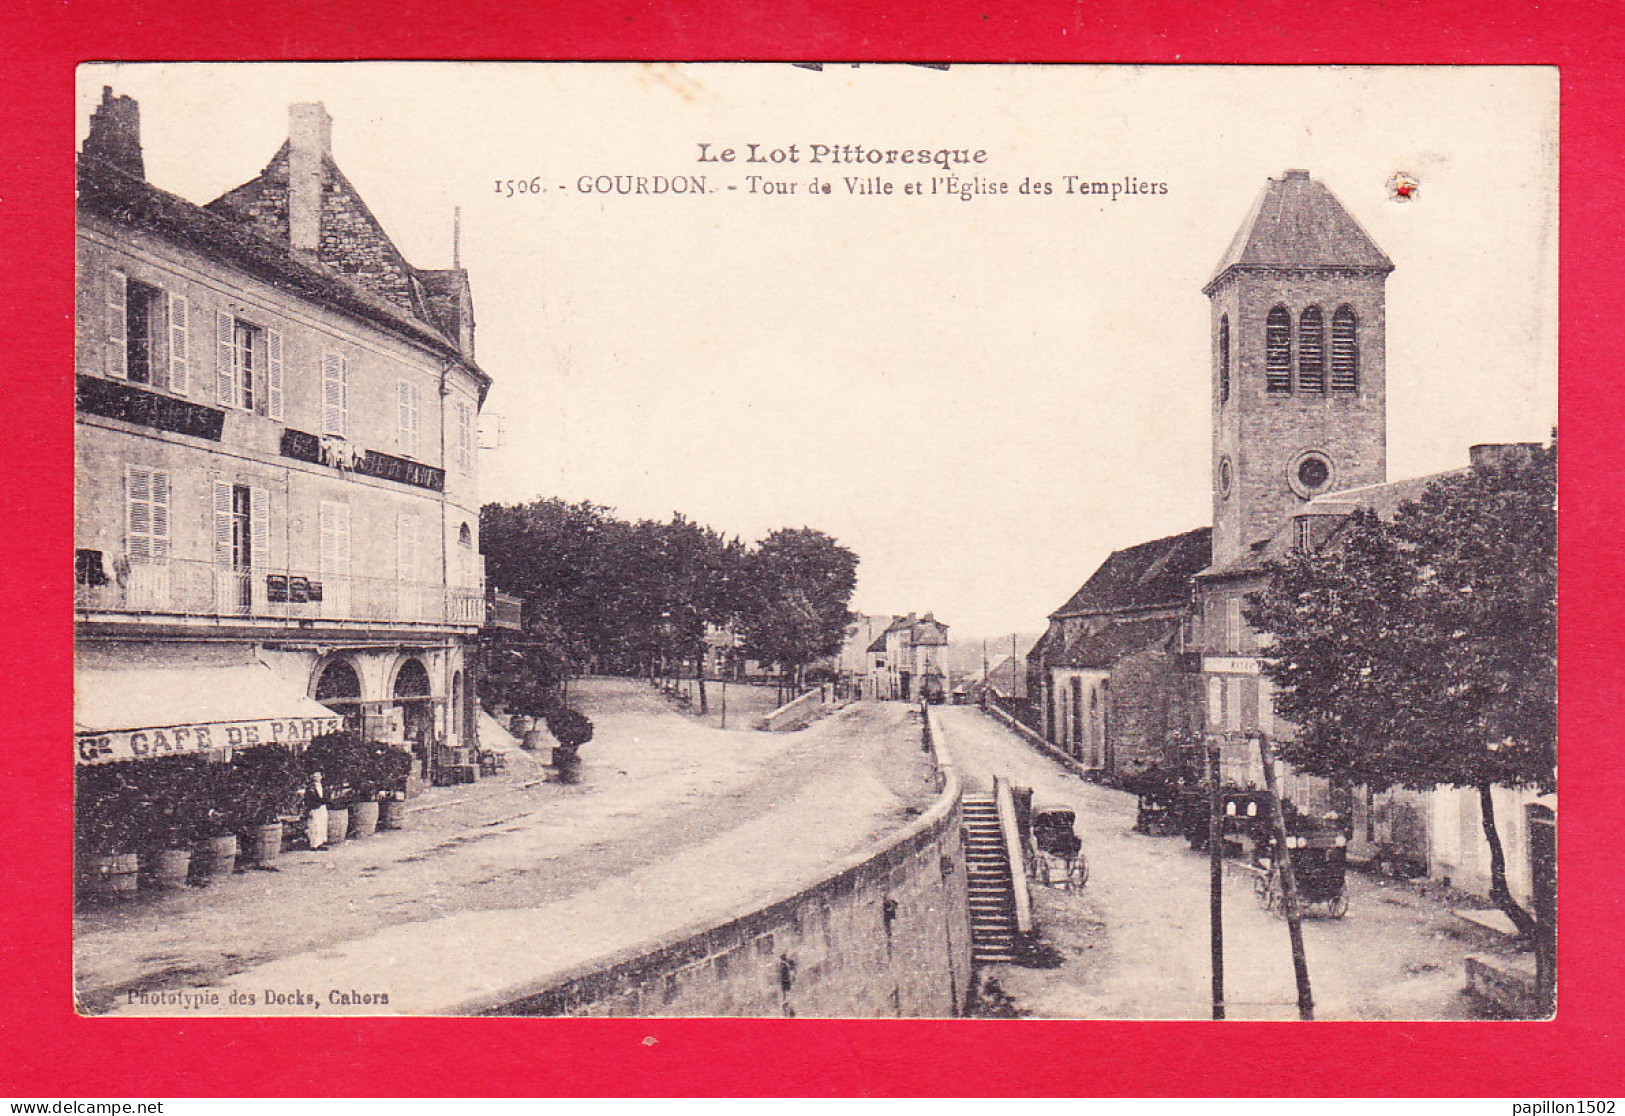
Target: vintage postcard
826, 541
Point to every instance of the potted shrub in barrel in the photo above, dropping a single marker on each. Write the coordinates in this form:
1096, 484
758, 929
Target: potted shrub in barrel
338, 757
216, 812
389, 768
372, 777
172, 787
108, 822
572, 729
269, 784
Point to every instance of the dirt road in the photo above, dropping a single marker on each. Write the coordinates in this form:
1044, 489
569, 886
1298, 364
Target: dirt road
1135, 943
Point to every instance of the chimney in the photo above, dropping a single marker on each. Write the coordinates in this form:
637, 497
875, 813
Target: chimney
1498, 455
115, 133
310, 142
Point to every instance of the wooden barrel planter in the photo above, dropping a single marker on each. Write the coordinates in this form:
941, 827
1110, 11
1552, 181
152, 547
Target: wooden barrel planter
114, 875
392, 814
264, 843
167, 869
364, 818
215, 858
338, 824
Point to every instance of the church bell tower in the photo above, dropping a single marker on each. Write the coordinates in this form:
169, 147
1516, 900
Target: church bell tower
1299, 383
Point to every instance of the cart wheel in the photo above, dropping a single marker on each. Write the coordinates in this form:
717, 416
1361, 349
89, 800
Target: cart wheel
1041, 866
1340, 905
1080, 872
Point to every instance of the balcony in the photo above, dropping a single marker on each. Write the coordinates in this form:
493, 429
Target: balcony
175, 587
503, 611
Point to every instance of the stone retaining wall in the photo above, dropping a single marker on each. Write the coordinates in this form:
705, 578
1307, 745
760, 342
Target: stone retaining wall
885, 935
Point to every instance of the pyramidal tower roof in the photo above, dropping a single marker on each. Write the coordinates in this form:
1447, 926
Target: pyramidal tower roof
1298, 223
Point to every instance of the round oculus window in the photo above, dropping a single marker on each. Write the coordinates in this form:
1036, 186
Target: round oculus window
1310, 473
1226, 477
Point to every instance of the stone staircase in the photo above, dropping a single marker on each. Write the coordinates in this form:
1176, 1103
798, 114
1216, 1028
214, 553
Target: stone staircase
992, 899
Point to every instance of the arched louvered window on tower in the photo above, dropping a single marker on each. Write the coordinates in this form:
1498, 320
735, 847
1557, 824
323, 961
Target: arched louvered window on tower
1278, 351
1311, 350
1224, 358
1345, 351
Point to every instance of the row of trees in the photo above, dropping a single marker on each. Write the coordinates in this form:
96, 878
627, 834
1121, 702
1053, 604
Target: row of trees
640, 595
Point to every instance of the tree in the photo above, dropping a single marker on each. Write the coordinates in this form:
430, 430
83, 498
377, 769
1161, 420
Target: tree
1423, 651
798, 583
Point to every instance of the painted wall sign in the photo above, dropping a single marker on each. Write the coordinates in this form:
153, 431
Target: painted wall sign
1229, 664
179, 740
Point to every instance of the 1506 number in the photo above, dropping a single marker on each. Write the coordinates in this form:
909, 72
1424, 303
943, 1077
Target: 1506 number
508, 187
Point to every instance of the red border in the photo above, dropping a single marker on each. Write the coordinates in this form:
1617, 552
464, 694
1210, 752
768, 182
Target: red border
51, 1052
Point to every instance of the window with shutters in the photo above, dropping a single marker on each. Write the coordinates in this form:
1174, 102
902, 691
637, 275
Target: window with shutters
409, 406
146, 507
1224, 358
1278, 351
241, 539
247, 366
1311, 350
1345, 351
335, 395
465, 438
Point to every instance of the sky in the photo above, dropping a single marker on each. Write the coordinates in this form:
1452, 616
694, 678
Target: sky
982, 394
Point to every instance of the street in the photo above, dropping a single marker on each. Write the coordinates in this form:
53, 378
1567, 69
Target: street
499, 884
1134, 944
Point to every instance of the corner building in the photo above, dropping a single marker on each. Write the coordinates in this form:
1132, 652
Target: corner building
276, 467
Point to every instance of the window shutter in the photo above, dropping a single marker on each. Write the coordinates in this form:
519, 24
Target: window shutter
344, 413
138, 511
403, 419
335, 538
1345, 351
273, 374
146, 504
1278, 351
118, 357
406, 553
335, 395
222, 523
180, 371
160, 513
225, 388
259, 527
1311, 350
415, 400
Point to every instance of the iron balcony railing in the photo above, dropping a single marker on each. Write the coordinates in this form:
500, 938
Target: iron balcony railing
185, 587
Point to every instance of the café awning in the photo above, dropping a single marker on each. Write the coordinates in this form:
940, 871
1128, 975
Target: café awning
145, 712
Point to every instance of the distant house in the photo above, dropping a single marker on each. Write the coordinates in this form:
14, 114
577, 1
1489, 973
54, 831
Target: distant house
909, 659
1106, 675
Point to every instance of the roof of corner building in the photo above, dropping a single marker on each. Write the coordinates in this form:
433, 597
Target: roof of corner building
1103, 649
1298, 223
1149, 575
1385, 499
109, 192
